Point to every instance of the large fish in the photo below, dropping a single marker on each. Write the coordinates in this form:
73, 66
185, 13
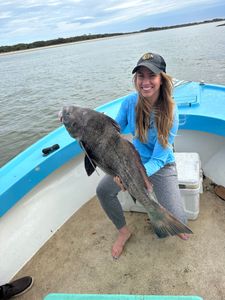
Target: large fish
100, 138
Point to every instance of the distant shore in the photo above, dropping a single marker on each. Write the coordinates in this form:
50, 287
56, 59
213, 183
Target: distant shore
64, 44
22, 47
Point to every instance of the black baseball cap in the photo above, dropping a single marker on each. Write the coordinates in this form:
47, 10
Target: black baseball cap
153, 62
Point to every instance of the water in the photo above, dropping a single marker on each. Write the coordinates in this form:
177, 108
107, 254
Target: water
35, 85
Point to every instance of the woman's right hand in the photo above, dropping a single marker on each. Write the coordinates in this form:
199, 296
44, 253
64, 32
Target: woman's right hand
118, 181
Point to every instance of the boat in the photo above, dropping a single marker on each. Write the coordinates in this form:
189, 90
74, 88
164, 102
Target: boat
46, 197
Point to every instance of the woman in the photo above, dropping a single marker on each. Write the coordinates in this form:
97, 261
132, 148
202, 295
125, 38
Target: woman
152, 118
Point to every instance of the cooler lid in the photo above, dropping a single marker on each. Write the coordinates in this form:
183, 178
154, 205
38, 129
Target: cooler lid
188, 168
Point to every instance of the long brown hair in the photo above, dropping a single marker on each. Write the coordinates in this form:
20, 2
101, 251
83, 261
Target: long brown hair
163, 111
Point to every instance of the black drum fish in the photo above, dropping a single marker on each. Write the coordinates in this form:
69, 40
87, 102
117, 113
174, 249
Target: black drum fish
99, 135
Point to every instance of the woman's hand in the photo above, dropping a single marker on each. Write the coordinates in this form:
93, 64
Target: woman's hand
118, 181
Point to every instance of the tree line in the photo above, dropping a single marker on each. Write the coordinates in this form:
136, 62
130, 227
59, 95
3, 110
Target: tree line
58, 41
181, 25
38, 44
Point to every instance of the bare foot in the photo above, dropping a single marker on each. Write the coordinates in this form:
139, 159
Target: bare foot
184, 236
123, 237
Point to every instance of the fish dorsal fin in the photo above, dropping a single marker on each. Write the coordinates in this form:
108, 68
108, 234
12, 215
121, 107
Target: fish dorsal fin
89, 164
113, 122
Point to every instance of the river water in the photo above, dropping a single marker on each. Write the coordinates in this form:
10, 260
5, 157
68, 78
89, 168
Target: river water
35, 85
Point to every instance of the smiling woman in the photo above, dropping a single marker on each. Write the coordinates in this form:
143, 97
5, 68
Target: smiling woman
152, 117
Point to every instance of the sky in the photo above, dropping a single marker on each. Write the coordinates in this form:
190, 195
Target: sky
27, 21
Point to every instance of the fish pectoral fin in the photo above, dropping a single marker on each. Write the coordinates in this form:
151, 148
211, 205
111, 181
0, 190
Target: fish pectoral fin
89, 165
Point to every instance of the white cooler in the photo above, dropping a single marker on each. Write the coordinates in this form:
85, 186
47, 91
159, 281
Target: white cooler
190, 184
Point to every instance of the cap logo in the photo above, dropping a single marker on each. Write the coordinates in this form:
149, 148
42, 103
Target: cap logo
147, 56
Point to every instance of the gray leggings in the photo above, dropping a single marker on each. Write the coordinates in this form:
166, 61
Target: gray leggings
165, 185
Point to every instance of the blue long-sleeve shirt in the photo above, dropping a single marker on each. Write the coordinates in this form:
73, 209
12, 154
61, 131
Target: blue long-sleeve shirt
153, 155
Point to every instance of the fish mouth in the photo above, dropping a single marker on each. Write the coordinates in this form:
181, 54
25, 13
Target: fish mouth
64, 116
60, 116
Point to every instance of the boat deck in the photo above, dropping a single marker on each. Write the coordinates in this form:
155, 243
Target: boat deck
77, 258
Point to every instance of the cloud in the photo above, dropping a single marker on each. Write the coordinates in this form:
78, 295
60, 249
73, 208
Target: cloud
29, 20
85, 18
5, 15
124, 5
137, 8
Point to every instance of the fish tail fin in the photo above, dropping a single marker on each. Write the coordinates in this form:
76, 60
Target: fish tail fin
165, 224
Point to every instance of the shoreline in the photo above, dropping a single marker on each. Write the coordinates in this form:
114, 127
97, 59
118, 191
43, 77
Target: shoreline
151, 29
68, 44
